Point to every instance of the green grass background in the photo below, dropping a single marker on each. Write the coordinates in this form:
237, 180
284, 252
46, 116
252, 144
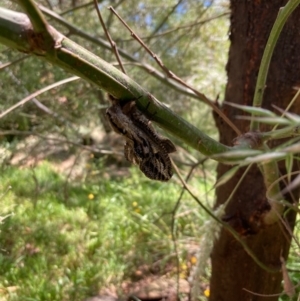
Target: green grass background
66, 240
63, 240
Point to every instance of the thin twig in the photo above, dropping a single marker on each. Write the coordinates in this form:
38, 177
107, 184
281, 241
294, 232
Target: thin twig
111, 16
86, 147
112, 43
73, 9
288, 286
175, 77
284, 191
33, 95
41, 106
173, 213
287, 108
187, 26
9, 64
37, 19
162, 23
262, 295
267, 296
2, 195
102, 43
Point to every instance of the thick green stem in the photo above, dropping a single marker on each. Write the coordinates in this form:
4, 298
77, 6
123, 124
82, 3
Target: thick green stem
77, 60
37, 19
271, 174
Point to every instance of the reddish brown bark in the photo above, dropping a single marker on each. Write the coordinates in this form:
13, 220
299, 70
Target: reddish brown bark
232, 268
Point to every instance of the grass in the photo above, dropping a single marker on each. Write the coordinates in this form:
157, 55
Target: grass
293, 265
64, 240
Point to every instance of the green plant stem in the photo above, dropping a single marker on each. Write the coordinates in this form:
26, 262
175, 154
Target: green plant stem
270, 172
77, 60
37, 19
44, 36
281, 19
270, 169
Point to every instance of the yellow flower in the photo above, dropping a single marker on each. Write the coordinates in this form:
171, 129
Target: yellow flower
182, 275
183, 267
134, 204
207, 292
91, 196
137, 210
193, 260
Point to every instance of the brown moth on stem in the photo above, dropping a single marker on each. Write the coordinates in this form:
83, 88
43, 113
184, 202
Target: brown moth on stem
144, 146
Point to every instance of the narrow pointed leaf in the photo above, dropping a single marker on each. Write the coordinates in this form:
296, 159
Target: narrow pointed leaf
266, 157
268, 120
237, 154
253, 110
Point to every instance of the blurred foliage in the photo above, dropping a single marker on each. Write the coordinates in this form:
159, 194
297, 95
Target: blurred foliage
64, 240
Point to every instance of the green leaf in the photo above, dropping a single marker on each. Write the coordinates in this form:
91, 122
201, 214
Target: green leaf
266, 157
268, 120
295, 148
253, 110
237, 154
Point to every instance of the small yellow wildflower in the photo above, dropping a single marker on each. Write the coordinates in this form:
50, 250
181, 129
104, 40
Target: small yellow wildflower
183, 267
137, 210
182, 275
207, 292
134, 204
91, 196
193, 260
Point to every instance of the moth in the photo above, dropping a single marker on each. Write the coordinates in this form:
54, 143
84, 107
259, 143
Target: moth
144, 146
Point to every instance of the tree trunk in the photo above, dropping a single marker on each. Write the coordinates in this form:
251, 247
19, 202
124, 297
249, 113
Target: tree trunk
232, 268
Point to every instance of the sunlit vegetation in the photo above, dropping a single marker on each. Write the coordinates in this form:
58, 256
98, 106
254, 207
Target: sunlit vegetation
76, 219
67, 241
